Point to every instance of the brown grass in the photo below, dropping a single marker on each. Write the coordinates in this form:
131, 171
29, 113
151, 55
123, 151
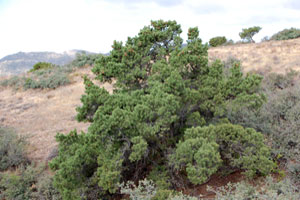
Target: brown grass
40, 114
272, 56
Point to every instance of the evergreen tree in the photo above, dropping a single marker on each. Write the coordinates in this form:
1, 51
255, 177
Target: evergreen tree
248, 33
162, 90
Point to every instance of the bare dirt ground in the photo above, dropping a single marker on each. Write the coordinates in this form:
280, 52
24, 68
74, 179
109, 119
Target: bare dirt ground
40, 114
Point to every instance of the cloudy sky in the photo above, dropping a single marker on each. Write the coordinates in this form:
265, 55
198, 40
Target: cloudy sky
60, 25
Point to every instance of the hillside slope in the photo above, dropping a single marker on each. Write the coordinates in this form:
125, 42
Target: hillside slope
272, 56
21, 62
40, 114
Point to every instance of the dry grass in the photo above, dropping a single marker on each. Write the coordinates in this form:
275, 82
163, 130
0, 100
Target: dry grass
40, 114
272, 56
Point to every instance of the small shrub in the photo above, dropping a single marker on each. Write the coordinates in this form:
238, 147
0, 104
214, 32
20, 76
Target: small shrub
44, 78
199, 157
20, 185
286, 34
203, 147
270, 189
217, 41
28, 183
12, 149
45, 188
15, 82
41, 65
294, 170
145, 190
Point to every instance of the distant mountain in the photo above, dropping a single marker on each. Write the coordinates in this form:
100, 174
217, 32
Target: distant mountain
21, 62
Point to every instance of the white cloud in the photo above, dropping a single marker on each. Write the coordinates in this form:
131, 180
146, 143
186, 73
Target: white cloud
59, 25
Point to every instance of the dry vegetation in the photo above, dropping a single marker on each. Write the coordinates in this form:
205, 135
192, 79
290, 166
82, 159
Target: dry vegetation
271, 56
40, 114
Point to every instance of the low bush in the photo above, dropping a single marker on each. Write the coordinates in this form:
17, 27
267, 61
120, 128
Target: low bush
41, 65
43, 78
217, 41
286, 34
45, 189
21, 184
146, 190
279, 118
15, 82
27, 182
203, 147
20, 180
269, 189
294, 170
12, 149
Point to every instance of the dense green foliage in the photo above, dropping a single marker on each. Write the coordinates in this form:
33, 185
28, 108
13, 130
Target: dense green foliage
217, 41
286, 34
12, 149
162, 90
248, 33
41, 65
203, 148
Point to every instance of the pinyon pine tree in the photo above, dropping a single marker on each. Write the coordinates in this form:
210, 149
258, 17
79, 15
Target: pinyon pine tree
248, 33
166, 110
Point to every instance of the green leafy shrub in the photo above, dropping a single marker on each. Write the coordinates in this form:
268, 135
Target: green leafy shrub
199, 157
161, 178
12, 149
270, 189
162, 88
203, 147
41, 65
217, 41
286, 34
248, 33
